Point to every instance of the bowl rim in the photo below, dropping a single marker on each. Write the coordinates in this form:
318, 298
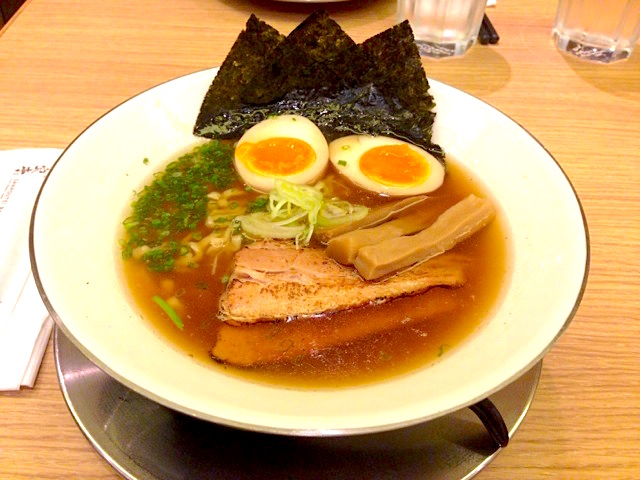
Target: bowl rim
304, 431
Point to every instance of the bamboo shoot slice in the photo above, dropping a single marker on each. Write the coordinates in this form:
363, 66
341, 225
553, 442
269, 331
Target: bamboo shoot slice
454, 225
344, 248
376, 216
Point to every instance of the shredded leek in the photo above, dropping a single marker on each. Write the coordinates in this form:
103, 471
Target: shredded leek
261, 225
336, 212
293, 211
171, 313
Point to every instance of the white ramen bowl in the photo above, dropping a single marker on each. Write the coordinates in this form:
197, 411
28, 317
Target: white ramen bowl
75, 259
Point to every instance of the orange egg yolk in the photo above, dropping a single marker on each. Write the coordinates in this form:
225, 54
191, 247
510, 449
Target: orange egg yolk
394, 165
276, 157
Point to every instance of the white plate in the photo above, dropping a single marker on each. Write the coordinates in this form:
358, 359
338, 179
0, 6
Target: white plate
75, 259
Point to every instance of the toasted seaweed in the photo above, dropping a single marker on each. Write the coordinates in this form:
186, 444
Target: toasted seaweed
377, 87
246, 59
356, 110
316, 54
398, 73
397, 68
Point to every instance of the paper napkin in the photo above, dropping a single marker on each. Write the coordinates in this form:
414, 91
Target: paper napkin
25, 325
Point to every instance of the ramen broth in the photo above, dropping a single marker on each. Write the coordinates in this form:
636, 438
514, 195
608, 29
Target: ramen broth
372, 359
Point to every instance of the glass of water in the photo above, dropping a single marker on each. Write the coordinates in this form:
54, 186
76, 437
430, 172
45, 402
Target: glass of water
601, 31
443, 28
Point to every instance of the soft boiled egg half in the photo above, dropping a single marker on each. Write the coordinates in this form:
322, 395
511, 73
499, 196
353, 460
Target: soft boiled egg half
287, 147
386, 165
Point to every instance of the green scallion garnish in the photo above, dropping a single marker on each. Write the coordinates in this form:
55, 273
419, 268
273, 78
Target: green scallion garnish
260, 204
175, 202
171, 313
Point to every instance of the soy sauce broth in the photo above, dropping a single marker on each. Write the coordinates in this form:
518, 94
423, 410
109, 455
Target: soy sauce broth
372, 359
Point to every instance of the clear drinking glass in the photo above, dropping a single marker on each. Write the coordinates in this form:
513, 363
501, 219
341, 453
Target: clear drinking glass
598, 30
443, 28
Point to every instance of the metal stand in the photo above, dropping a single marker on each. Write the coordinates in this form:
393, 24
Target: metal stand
146, 441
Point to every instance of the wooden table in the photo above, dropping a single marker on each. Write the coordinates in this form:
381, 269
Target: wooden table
63, 63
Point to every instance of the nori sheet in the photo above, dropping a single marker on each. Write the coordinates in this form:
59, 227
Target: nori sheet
246, 59
399, 75
377, 87
316, 54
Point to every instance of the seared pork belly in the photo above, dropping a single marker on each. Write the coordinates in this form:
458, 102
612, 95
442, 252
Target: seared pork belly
268, 343
273, 281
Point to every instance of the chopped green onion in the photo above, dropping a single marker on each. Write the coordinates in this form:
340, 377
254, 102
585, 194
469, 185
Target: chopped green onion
171, 313
342, 163
175, 201
260, 204
384, 356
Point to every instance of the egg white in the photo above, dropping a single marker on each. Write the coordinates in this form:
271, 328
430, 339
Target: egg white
345, 154
288, 126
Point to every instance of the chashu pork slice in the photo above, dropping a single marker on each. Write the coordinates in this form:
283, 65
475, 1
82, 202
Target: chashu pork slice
273, 281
